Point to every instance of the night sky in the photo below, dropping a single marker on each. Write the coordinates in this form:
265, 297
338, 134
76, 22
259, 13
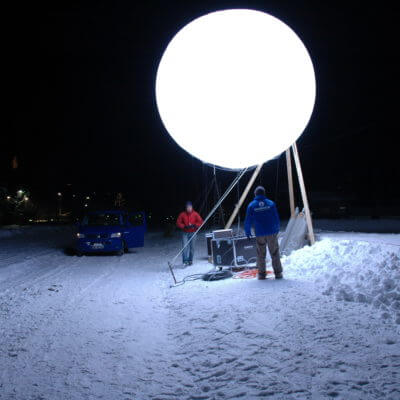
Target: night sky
80, 102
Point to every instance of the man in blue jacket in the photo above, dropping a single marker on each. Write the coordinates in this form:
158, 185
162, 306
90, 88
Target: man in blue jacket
262, 215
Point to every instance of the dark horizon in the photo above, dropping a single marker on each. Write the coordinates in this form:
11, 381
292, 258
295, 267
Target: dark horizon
81, 104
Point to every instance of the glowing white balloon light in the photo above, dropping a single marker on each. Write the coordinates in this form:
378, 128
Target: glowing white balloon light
235, 88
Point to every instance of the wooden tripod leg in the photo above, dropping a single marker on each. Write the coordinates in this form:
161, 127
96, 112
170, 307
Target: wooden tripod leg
290, 181
303, 193
243, 197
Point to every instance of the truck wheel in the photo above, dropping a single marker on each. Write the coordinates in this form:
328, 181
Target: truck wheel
120, 252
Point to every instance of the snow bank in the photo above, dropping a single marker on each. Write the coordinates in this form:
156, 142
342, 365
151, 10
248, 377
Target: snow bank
352, 271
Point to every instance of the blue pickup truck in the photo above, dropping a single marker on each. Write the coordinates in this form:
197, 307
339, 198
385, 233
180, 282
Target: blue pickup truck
110, 232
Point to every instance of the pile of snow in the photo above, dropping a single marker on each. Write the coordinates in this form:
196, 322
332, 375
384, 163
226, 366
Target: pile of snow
352, 271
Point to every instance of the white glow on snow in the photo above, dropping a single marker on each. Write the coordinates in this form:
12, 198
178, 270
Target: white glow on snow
235, 88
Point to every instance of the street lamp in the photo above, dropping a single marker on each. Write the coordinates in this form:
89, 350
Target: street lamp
59, 194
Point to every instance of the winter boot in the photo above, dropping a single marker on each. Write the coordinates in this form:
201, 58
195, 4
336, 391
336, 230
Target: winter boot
261, 276
279, 276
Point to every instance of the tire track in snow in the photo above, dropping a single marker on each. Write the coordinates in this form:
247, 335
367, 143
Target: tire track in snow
19, 308
35, 276
31, 350
6, 262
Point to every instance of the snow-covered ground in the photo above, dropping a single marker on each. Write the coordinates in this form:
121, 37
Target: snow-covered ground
106, 327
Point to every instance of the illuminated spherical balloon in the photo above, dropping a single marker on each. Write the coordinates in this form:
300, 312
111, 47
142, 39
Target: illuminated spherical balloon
235, 88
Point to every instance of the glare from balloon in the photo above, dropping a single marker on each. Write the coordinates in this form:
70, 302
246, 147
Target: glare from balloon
235, 88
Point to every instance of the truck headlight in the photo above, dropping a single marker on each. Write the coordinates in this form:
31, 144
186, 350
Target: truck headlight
80, 235
116, 235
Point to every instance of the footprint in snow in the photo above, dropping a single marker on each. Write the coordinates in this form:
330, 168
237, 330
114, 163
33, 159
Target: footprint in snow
333, 394
250, 367
266, 393
238, 395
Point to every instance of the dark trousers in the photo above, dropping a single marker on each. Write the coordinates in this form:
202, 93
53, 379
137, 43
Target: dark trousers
273, 246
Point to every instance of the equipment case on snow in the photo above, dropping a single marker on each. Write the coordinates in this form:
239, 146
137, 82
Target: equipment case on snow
223, 251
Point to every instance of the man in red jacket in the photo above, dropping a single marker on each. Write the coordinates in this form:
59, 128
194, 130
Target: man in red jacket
188, 220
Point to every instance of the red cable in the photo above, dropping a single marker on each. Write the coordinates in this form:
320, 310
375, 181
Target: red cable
248, 274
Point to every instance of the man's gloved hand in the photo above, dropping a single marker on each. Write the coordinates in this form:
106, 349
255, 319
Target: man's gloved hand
187, 227
192, 226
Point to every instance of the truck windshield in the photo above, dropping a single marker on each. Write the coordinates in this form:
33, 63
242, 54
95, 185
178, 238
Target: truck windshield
101, 219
